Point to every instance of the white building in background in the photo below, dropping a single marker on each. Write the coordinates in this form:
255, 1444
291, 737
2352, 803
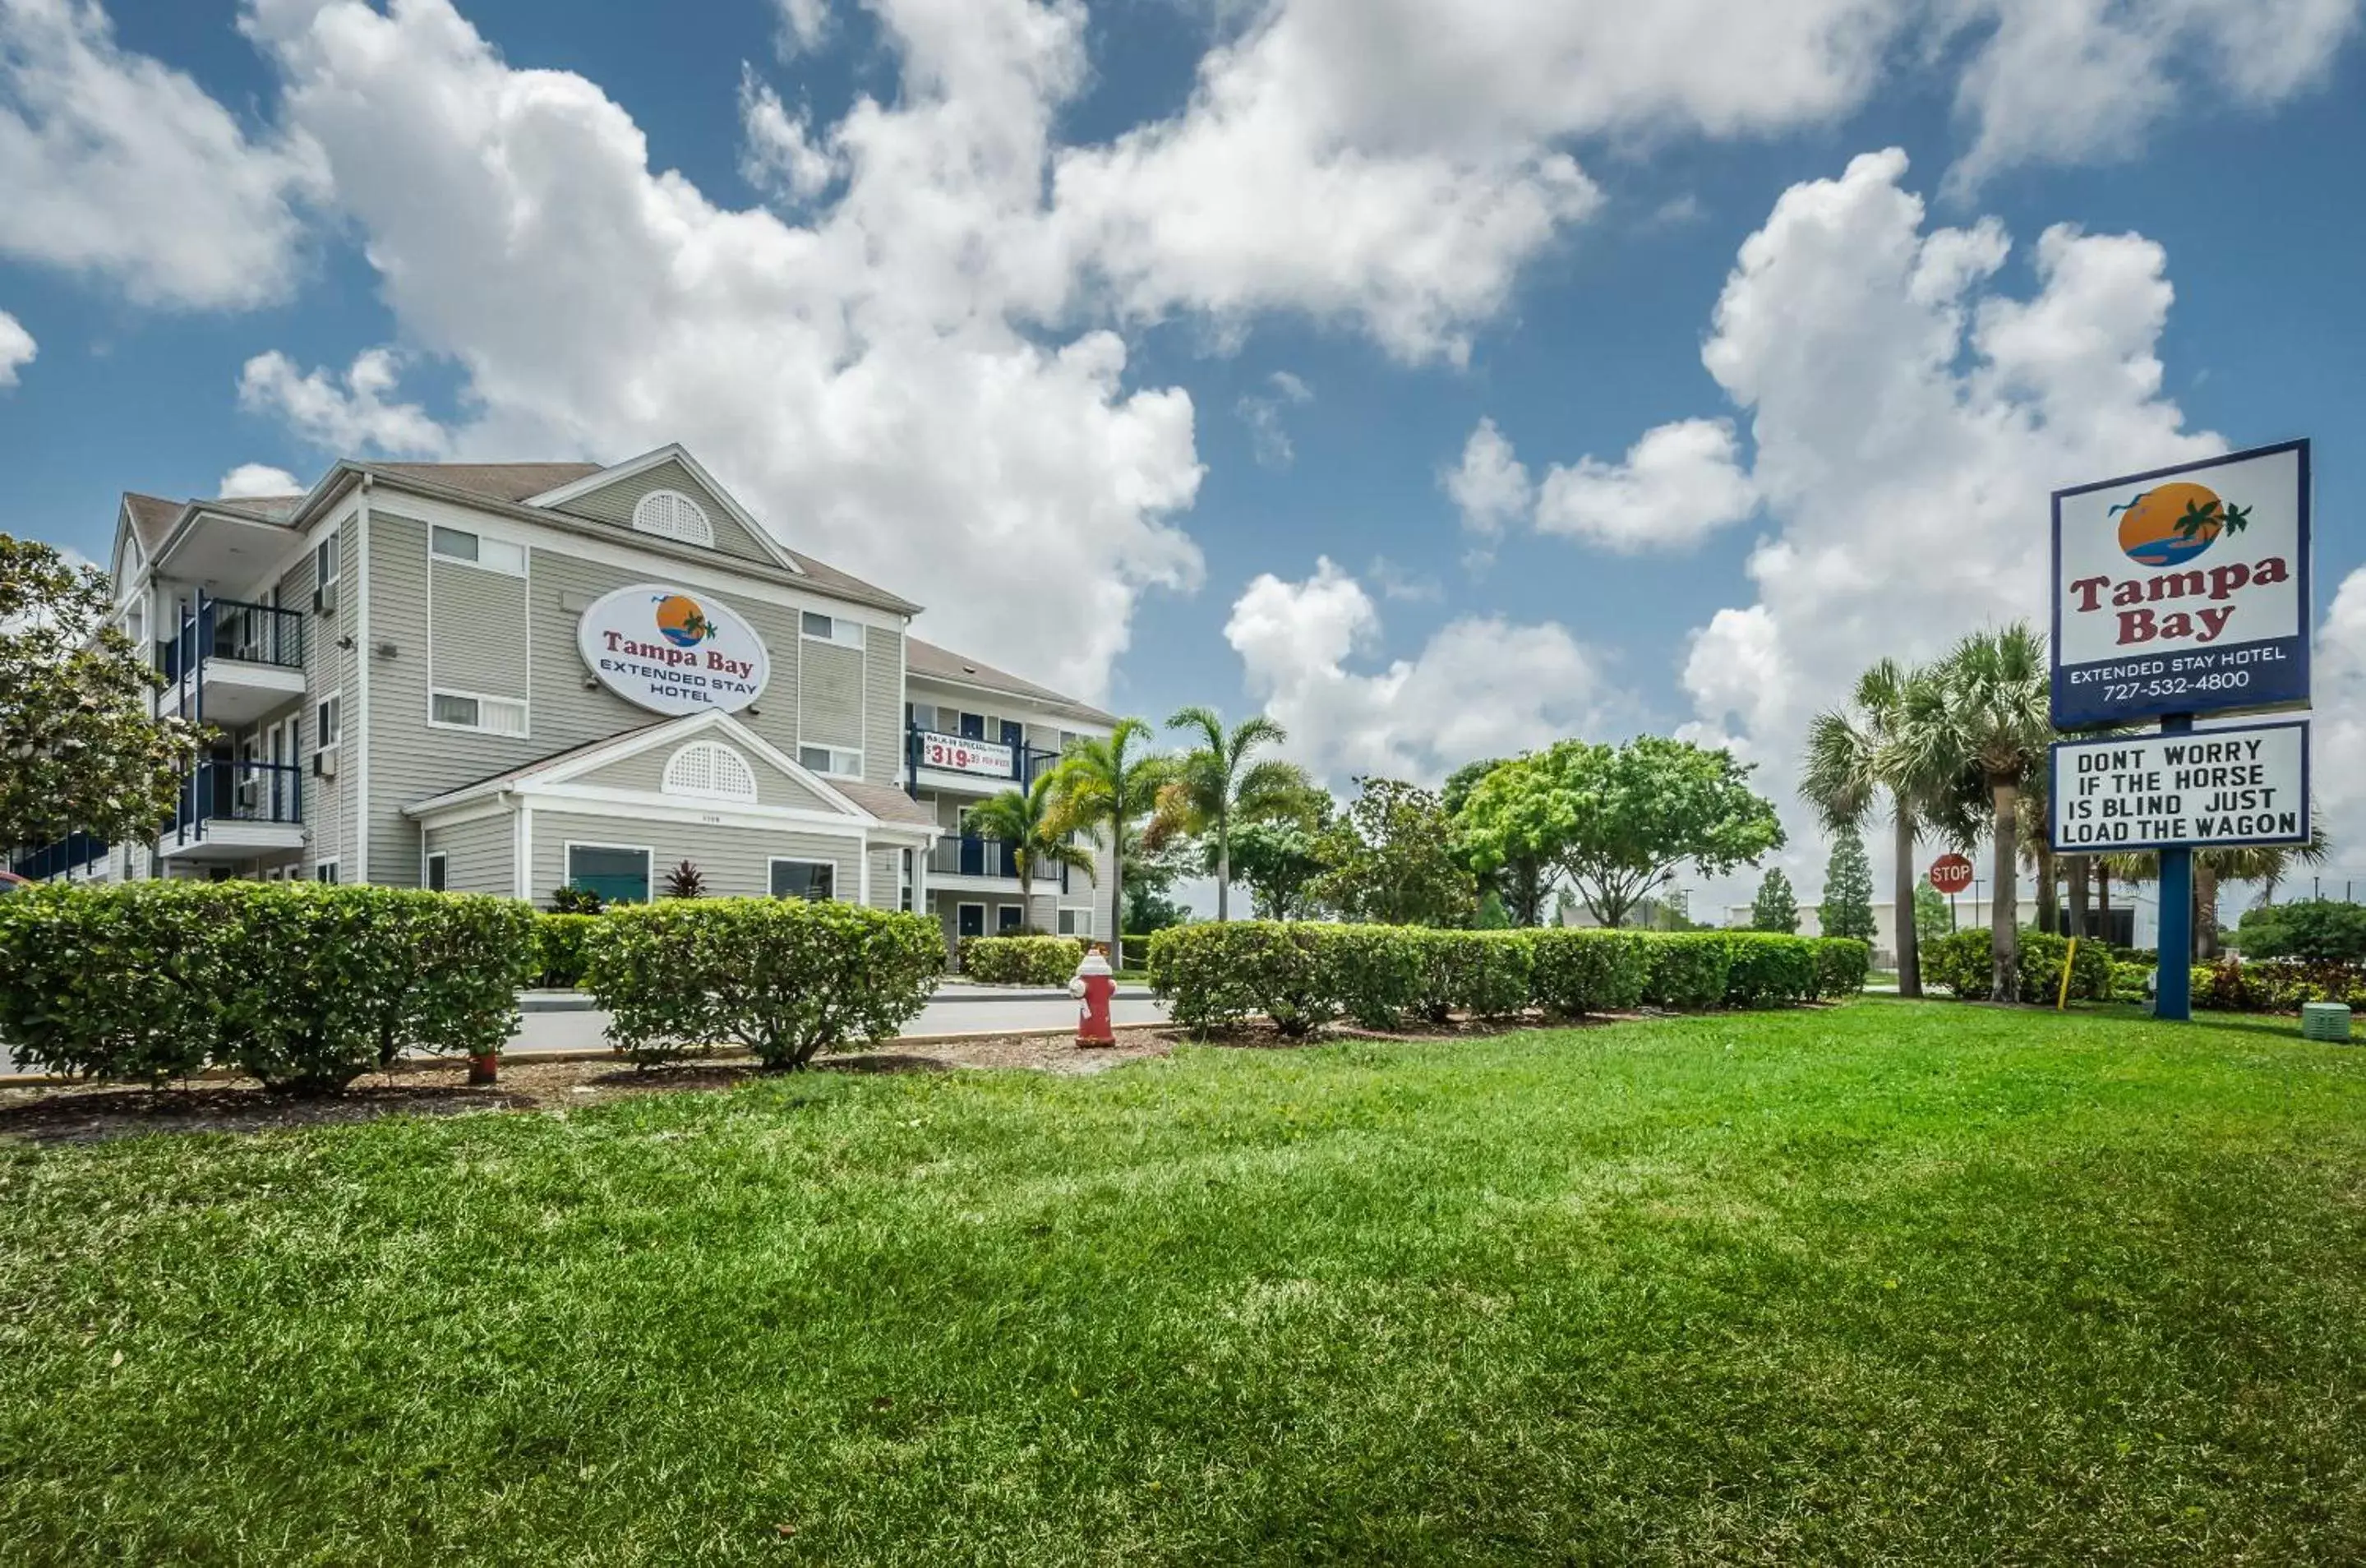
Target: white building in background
512, 678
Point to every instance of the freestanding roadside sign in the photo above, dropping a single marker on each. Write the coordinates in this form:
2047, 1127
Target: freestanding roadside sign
2178, 592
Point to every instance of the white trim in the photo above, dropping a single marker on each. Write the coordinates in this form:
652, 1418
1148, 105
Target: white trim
524, 549
599, 801
521, 846
959, 905
649, 857
362, 664
336, 694
801, 860
860, 644
862, 874
1083, 912
427, 866
682, 758
331, 864
1006, 704
443, 823
834, 753
525, 715
616, 473
688, 511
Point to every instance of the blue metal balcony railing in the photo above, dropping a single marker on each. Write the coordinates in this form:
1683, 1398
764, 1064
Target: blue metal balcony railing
969, 855
74, 853
231, 628
239, 792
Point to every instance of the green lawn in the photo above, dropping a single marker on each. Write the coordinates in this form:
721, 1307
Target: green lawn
1894, 1282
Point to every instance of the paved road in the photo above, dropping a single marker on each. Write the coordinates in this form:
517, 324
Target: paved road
956, 1009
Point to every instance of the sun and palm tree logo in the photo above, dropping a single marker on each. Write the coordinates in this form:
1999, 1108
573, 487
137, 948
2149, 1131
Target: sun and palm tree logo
680, 620
2171, 524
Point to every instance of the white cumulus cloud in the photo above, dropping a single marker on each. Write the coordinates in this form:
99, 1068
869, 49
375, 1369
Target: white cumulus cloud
1481, 686
354, 414
116, 165
16, 348
1491, 486
258, 479
1678, 484
2339, 734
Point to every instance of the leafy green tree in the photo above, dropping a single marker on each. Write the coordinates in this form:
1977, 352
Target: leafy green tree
79, 751
1617, 820
1848, 890
1392, 861
1933, 918
1026, 821
1104, 788
1988, 714
2306, 928
1278, 861
1777, 908
1151, 873
1521, 880
1215, 785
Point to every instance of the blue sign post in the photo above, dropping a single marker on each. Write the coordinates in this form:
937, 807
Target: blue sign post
2177, 592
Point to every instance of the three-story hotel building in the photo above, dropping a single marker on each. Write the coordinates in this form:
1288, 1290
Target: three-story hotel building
512, 678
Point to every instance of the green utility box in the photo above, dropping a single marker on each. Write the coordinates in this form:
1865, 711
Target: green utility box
2323, 1021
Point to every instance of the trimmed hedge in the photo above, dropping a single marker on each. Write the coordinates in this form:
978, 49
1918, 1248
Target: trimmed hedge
1021, 960
560, 939
1303, 975
2276, 985
305, 986
1964, 963
784, 978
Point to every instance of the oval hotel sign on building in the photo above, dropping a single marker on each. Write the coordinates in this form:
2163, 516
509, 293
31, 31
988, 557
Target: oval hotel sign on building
672, 651
2182, 590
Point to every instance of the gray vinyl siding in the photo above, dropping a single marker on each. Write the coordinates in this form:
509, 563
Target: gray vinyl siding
884, 873
737, 862
647, 771
831, 695
319, 649
883, 706
479, 856
478, 629
408, 760
614, 503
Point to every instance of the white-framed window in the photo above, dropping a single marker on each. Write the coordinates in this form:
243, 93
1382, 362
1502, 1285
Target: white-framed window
476, 549
329, 722
830, 628
709, 768
618, 873
832, 762
470, 710
813, 880
327, 567
437, 861
1076, 922
673, 515
325, 871
1009, 920
904, 880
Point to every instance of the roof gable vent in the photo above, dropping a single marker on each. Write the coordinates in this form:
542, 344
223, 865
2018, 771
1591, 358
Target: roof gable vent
673, 515
707, 768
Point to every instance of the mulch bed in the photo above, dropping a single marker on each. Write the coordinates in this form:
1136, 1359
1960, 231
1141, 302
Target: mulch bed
81, 1114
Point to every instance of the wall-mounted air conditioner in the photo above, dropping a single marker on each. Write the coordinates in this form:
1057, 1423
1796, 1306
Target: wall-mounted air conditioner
324, 598
324, 764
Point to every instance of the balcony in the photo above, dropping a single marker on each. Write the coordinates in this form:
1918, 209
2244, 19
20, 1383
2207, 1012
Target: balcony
237, 811
974, 864
232, 663
971, 763
76, 855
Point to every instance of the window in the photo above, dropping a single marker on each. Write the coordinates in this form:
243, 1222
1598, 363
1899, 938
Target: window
831, 761
618, 874
325, 562
435, 872
1076, 922
464, 710
325, 871
1008, 919
673, 515
808, 879
831, 628
904, 881
494, 555
705, 767
329, 722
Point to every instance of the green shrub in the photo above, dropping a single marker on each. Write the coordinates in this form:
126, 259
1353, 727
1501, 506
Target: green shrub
1377, 971
1021, 960
117, 982
306, 986
1841, 964
784, 978
1218, 974
2326, 929
1688, 969
2276, 985
1770, 969
1486, 973
1962, 962
1578, 970
558, 941
2129, 981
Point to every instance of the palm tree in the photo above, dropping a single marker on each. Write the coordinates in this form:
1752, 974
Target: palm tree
1026, 821
1988, 714
1852, 758
1214, 784
1106, 785
2264, 863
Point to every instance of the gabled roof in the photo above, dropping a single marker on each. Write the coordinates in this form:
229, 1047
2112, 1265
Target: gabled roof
929, 662
152, 519
497, 481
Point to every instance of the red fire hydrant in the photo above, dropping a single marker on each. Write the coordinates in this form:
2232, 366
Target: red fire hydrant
1096, 986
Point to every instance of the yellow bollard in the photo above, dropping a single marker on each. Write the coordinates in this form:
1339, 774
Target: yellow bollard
2062, 1001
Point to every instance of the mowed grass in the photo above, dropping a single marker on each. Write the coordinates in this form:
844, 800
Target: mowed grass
1891, 1282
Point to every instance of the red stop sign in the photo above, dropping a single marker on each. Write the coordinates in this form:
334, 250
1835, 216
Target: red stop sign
1950, 874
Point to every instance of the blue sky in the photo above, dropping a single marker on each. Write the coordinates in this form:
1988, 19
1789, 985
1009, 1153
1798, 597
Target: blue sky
1137, 314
